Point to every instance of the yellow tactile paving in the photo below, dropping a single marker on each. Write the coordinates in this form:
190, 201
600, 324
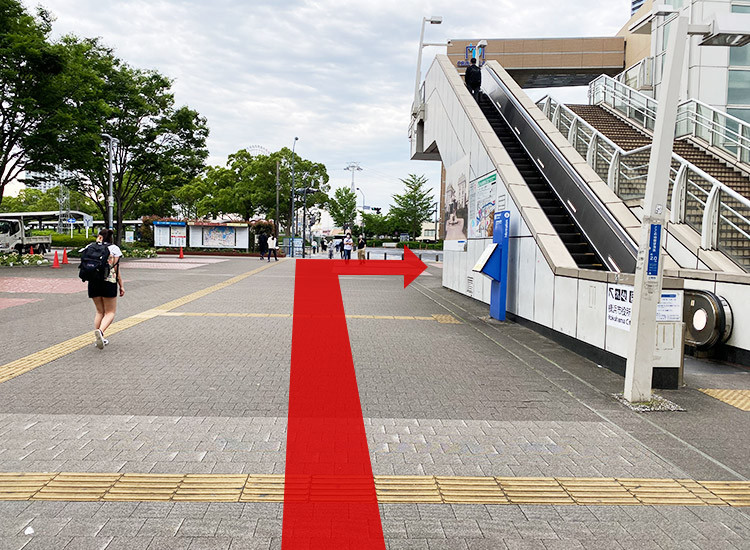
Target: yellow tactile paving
390, 489
736, 398
25, 364
446, 319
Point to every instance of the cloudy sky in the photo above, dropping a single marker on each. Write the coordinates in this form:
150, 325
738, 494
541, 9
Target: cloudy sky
337, 73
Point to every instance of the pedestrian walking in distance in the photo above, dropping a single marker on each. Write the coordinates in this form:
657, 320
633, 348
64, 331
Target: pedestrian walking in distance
361, 245
272, 248
331, 249
348, 245
473, 78
263, 245
100, 267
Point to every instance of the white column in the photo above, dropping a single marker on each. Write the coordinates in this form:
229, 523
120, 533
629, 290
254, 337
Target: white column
640, 361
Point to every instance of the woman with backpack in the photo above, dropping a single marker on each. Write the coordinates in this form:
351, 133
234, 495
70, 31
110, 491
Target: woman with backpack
100, 266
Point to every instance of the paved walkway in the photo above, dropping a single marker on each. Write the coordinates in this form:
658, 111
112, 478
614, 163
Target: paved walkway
196, 382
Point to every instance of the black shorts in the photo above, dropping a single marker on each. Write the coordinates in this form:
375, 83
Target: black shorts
102, 289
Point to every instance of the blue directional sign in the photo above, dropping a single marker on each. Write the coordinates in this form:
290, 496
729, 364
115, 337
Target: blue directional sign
654, 251
499, 288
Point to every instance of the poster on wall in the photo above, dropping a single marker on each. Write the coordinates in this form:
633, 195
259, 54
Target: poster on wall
219, 237
482, 206
456, 202
178, 236
620, 306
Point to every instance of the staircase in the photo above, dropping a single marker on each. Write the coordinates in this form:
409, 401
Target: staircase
580, 249
629, 138
731, 239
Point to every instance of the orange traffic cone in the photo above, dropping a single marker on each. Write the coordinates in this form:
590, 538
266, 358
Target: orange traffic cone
56, 263
65, 256
181, 254
31, 250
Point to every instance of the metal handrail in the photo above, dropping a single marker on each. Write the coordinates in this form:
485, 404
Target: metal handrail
731, 135
685, 178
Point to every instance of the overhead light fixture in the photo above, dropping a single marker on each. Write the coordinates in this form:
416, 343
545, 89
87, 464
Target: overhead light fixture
727, 30
435, 20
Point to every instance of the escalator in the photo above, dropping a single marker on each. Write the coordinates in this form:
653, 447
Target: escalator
583, 253
588, 230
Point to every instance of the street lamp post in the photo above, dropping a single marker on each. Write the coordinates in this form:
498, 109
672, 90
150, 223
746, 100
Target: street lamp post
110, 196
434, 20
436, 220
648, 271
292, 230
305, 191
363, 208
276, 221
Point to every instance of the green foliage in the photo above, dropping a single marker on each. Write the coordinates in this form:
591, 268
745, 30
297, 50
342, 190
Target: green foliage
413, 207
343, 207
377, 225
31, 87
246, 186
420, 245
62, 240
36, 200
13, 260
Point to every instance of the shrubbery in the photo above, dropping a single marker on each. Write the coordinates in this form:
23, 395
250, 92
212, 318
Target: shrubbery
419, 245
13, 260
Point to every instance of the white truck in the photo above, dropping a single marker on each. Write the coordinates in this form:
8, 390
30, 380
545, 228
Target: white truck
13, 236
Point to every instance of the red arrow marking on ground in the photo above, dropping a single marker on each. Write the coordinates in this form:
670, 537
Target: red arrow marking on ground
329, 490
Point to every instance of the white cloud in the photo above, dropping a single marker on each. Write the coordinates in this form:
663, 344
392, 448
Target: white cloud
337, 73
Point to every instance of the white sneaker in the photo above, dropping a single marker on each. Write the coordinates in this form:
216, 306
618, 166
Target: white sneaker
99, 337
105, 341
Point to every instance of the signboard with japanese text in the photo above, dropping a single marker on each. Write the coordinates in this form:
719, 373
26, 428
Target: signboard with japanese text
620, 306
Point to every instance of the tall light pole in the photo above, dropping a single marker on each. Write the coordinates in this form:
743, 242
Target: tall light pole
305, 191
434, 20
110, 196
292, 231
276, 222
640, 363
363, 208
353, 167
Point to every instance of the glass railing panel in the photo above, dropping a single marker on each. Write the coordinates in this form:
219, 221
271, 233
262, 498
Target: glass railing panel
734, 230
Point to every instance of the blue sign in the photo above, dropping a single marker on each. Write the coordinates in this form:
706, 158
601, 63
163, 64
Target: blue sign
71, 220
499, 285
654, 251
169, 223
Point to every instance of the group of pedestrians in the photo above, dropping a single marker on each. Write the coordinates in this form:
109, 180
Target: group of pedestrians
345, 247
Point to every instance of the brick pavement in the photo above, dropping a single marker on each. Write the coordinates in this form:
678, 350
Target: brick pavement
209, 395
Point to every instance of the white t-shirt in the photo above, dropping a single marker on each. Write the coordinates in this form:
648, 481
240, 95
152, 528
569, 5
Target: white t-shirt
348, 242
114, 254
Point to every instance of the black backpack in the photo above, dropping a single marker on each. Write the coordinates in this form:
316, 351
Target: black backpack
94, 262
473, 76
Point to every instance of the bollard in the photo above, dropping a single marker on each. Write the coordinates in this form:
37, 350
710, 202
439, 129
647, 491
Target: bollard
368, 255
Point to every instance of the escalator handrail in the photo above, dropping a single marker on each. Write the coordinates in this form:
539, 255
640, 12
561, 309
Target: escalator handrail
593, 199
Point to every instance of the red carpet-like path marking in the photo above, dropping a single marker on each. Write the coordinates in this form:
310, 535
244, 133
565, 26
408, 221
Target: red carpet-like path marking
329, 491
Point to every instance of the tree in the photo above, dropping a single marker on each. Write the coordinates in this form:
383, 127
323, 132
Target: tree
36, 200
160, 147
246, 186
413, 207
376, 225
31, 94
343, 207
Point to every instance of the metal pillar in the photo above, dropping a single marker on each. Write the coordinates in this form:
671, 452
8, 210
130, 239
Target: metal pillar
648, 271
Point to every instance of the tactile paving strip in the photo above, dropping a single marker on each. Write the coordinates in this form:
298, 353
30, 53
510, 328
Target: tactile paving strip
736, 398
30, 362
389, 489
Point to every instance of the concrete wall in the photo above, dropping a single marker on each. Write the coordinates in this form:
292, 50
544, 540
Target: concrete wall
544, 284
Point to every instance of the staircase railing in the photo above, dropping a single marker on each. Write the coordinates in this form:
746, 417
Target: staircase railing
694, 118
718, 213
639, 76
